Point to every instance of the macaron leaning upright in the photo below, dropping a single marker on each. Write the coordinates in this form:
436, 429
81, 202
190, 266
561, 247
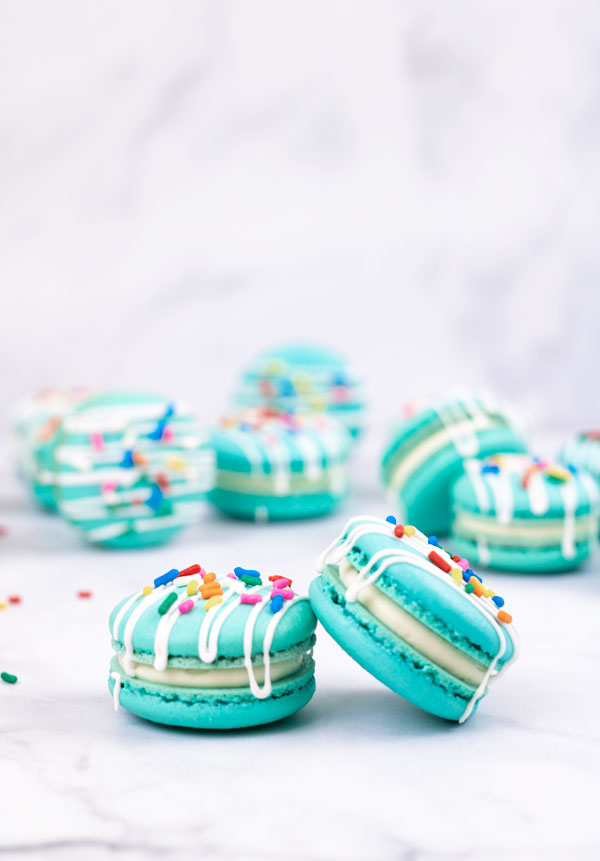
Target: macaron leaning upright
519, 513
304, 377
207, 652
273, 465
131, 470
417, 619
425, 453
36, 422
583, 452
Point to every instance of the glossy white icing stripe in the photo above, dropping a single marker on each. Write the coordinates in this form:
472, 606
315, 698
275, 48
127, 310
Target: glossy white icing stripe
537, 493
473, 470
503, 495
569, 497
116, 689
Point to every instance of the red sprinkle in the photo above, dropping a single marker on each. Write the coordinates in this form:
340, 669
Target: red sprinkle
84, 593
193, 569
455, 558
398, 530
279, 577
441, 563
14, 599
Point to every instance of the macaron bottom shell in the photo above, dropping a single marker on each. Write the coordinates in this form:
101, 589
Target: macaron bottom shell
213, 708
526, 560
255, 507
384, 655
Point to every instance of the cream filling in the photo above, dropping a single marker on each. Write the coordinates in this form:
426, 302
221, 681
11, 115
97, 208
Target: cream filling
520, 531
229, 677
425, 641
410, 462
333, 478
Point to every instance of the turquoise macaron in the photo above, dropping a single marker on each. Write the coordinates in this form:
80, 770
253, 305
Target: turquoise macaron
419, 620
274, 465
304, 377
519, 513
583, 452
206, 652
131, 470
36, 422
426, 450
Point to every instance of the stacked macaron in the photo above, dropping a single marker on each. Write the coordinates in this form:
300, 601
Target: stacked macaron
520, 513
130, 470
427, 449
583, 453
197, 650
304, 378
274, 465
418, 619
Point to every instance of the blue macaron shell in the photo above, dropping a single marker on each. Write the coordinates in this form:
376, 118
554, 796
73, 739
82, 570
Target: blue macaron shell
296, 626
433, 600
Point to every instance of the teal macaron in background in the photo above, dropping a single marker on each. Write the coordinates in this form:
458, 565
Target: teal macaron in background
208, 652
275, 465
519, 513
426, 450
131, 470
304, 377
583, 452
417, 619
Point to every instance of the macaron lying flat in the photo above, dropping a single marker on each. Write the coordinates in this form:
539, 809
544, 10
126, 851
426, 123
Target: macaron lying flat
131, 470
583, 452
211, 652
273, 465
417, 619
518, 513
36, 423
425, 453
304, 377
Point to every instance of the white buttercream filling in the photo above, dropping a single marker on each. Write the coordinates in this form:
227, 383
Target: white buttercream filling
228, 677
525, 530
421, 638
333, 477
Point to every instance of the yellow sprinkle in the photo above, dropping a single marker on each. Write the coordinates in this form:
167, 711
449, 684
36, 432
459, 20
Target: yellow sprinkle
456, 575
3, 605
317, 402
274, 367
174, 462
192, 587
147, 589
490, 593
555, 471
212, 602
409, 530
302, 384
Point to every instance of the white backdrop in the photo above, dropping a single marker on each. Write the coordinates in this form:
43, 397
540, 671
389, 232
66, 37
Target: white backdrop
184, 183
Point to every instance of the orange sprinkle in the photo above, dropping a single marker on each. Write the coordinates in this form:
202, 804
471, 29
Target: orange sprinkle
504, 617
139, 458
211, 589
477, 586
209, 577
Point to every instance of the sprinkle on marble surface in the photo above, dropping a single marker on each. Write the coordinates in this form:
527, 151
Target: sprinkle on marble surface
84, 593
9, 678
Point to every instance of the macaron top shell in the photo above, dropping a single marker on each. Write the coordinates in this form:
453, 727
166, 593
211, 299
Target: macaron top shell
264, 439
508, 486
403, 570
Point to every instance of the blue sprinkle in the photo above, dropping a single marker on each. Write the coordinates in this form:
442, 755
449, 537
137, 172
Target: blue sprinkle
466, 576
127, 461
276, 603
339, 379
391, 519
536, 459
239, 571
286, 388
158, 431
490, 467
572, 468
169, 412
166, 578
498, 601
155, 499
471, 573
433, 540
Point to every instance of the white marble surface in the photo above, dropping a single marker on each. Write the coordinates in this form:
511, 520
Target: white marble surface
182, 184
358, 774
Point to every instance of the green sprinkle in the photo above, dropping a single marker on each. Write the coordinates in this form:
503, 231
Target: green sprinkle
469, 588
8, 677
168, 602
249, 580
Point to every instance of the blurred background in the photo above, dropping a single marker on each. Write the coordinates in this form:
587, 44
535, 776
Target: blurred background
416, 183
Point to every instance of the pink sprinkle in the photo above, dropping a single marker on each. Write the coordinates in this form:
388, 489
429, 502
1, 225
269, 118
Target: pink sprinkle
97, 441
233, 577
288, 594
281, 583
168, 434
250, 599
186, 606
463, 563
108, 486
